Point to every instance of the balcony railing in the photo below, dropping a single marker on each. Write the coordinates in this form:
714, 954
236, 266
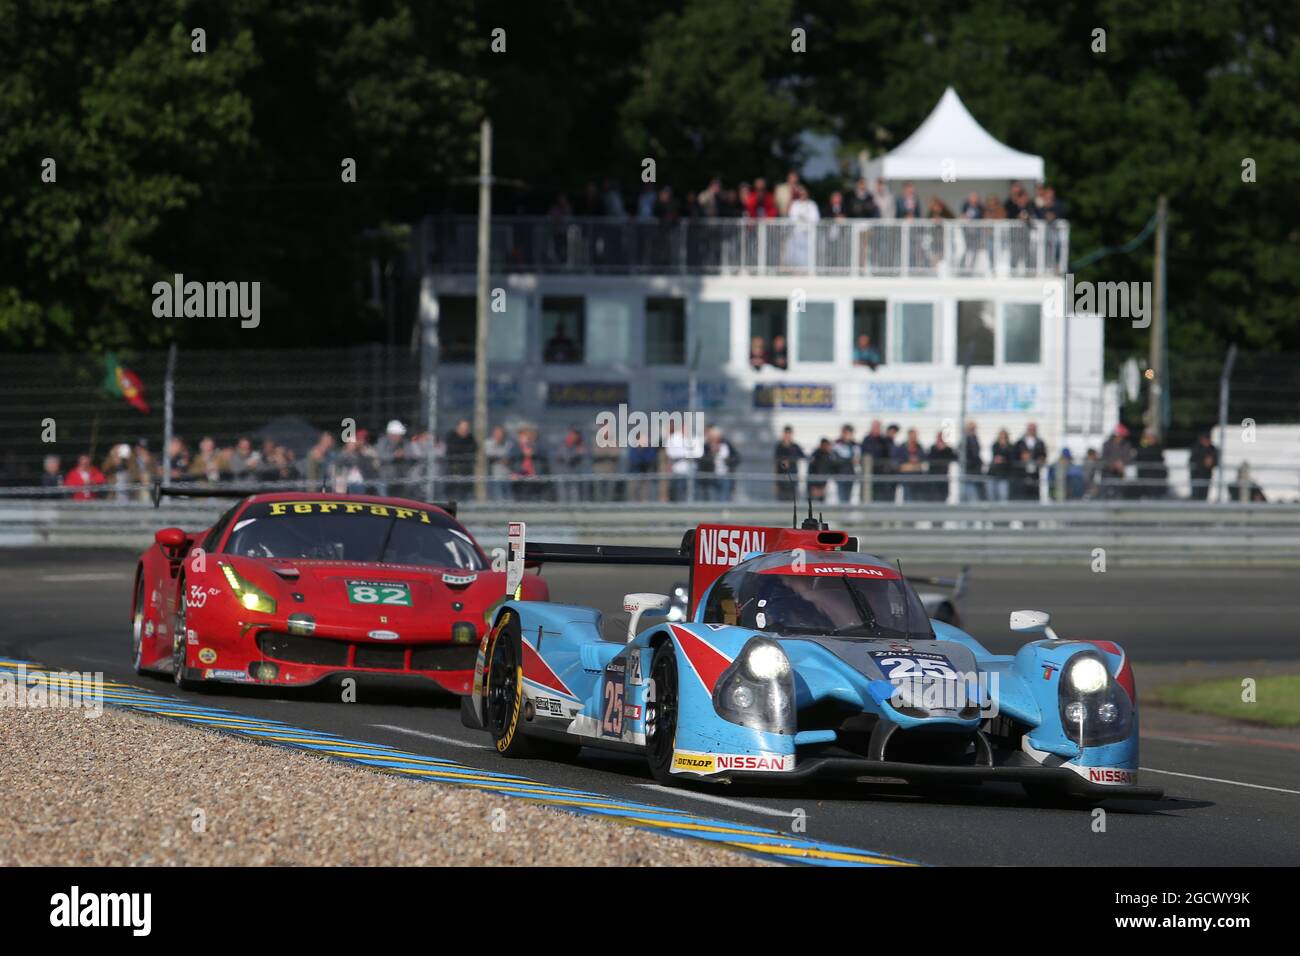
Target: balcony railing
855, 247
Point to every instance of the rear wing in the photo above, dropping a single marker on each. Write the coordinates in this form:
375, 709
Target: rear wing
161, 491
708, 550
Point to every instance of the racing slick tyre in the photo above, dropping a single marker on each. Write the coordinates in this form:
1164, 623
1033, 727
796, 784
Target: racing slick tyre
503, 694
661, 714
137, 628
179, 637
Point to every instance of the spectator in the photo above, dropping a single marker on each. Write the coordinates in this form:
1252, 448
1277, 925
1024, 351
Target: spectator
592, 204
497, 448
392, 452
847, 453
320, 463
462, 450
862, 205
758, 356
1116, 453
972, 208
864, 353
941, 456
803, 212
572, 462
117, 470
836, 208
717, 464
911, 462
642, 460
878, 447
560, 349
1001, 466
84, 476
759, 204
356, 465
1153, 476
51, 472
682, 450
1066, 478
1031, 456
709, 200
972, 488
613, 201
788, 455
209, 464
779, 358
528, 464
885, 201
1092, 474
242, 462
786, 193
1201, 462
909, 206
645, 201
820, 465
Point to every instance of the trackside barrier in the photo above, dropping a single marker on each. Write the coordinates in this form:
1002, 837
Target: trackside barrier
1200, 533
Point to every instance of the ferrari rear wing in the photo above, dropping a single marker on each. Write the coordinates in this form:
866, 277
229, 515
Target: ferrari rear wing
161, 491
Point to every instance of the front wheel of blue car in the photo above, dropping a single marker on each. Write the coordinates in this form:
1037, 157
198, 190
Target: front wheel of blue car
504, 707
661, 714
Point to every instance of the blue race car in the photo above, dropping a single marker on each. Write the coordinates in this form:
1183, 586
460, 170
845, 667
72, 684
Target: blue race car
801, 659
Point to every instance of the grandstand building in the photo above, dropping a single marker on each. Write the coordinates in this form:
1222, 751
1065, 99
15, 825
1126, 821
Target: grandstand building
589, 314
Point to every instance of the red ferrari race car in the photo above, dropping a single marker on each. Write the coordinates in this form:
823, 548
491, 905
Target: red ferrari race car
291, 588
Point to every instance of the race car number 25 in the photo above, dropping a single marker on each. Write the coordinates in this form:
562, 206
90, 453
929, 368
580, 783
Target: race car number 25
914, 666
374, 592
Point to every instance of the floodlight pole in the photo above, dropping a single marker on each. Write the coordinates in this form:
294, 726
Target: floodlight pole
481, 339
1157, 401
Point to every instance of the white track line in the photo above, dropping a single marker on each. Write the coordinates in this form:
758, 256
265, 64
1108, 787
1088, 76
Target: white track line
1235, 783
85, 576
1183, 740
428, 736
724, 801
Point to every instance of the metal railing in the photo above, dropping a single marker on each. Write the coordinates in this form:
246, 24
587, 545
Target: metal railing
1210, 535
852, 247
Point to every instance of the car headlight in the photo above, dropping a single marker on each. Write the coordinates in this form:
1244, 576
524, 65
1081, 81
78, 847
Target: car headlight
765, 661
250, 595
1087, 675
1095, 710
757, 689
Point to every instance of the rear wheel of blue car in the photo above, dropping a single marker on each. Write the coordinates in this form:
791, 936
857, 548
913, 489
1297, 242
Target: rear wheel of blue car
661, 714
503, 698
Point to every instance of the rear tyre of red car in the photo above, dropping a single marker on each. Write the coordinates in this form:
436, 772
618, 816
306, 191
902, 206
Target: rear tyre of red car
179, 639
661, 714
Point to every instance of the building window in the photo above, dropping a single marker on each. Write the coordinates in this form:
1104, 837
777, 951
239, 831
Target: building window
767, 321
975, 333
712, 334
1022, 333
609, 331
869, 319
562, 329
914, 330
665, 331
457, 325
508, 330
817, 332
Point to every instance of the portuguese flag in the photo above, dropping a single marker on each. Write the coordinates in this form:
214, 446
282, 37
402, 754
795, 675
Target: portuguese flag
124, 383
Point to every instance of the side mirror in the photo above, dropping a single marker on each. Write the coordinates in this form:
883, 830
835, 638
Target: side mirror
640, 604
1032, 622
172, 541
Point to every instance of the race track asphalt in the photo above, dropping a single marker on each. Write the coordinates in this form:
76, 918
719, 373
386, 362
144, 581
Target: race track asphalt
1231, 798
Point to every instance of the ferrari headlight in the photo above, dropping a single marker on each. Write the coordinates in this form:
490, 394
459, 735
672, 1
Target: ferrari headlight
250, 596
1087, 675
766, 661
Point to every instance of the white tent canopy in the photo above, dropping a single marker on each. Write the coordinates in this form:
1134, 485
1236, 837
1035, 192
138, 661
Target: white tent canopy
951, 142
